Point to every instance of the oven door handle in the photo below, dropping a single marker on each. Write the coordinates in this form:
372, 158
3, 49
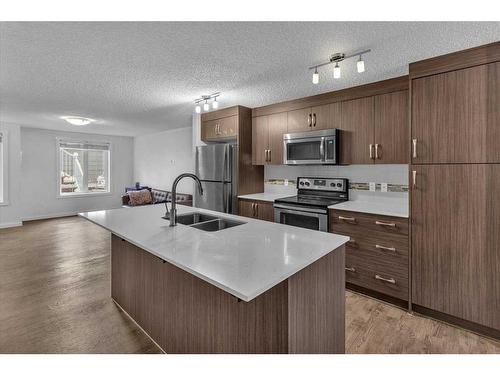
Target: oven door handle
294, 209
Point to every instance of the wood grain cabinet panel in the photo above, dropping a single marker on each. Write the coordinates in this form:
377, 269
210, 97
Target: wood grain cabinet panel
260, 139
391, 128
455, 116
357, 131
228, 127
321, 117
256, 209
219, 129
277, 127
456, 241
299, 120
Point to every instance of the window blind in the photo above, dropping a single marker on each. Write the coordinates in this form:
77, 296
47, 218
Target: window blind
84, 145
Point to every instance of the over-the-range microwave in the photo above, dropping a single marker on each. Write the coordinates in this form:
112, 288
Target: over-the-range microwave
314, 147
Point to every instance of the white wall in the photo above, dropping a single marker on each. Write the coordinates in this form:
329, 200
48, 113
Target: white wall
39, 174
10, 212
161, 157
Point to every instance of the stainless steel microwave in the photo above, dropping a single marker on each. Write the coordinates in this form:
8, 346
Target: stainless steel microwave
314, 147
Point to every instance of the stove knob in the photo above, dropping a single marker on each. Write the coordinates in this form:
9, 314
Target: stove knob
332, 184
339, 184
301, 183
308, 183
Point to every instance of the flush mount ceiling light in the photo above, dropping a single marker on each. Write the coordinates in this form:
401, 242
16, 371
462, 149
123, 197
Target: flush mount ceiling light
206, 99
77, 120
335, 59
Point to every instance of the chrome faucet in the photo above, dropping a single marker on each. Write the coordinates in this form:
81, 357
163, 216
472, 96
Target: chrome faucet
173, 210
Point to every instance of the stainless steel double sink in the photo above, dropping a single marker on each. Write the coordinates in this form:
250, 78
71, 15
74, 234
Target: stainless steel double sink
208, 223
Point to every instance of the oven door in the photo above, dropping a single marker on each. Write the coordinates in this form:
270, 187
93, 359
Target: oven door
303, 217
303, 150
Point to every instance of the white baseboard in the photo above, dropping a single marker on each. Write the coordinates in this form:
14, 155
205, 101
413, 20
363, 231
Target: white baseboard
50, 216
11, 225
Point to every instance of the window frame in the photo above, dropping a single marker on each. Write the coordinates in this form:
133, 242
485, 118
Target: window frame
58, 169
5, 168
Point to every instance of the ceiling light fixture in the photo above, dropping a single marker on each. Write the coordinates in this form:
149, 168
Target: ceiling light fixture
204, 99
335, 59
316, 76
360, 65
77, 120
336, 71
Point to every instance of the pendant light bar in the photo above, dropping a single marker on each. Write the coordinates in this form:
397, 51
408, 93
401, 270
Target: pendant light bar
203, 102
335, 59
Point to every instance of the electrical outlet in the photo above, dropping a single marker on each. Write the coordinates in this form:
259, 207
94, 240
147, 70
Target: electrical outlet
372, 186
285, 182
383, 187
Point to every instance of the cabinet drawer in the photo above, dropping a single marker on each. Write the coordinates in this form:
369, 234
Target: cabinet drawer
376, 274
348, 221
394, 250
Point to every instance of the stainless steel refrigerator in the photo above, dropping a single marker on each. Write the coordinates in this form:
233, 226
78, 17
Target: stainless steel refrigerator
217, 168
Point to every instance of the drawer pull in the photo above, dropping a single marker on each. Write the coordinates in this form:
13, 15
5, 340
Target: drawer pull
352, 241
393, 249
351, 219
385, 224
350, 269
391, 280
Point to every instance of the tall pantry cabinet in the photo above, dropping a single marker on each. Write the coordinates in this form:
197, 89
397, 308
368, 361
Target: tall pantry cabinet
455, 187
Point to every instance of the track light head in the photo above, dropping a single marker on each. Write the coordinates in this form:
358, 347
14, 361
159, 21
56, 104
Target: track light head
360, 65
315, 79
336, 71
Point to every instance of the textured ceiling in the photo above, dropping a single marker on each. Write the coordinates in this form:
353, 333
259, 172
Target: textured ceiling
143, 77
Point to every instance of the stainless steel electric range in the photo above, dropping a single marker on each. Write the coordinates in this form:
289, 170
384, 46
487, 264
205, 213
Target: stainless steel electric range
309, 208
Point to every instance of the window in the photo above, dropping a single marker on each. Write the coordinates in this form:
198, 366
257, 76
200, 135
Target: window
3, 168
83, 168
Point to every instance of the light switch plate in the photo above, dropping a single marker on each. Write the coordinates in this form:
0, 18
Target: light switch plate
372, 186
383, 187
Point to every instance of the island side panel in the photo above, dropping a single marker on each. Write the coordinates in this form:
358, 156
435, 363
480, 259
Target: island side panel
185, 314
316, 306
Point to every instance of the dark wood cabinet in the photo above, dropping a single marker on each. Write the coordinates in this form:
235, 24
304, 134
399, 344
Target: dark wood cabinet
391, 128
307, 119
267, 138
377, 254
456, 241
219, 129
256, 209
357, 131
456, 116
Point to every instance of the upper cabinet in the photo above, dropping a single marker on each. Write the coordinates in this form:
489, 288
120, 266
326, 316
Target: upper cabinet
391, 128
306, 119
454, 116
219, 129
267, 138
356, 136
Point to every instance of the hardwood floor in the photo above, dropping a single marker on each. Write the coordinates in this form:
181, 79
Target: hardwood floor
55, 298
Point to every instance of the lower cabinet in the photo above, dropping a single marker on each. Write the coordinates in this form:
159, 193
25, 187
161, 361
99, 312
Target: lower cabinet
377, 253
256, 209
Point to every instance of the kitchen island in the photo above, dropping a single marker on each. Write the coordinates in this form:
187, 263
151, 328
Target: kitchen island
258, 287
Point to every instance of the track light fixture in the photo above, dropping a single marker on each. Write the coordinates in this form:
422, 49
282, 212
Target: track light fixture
336, 58
204, 100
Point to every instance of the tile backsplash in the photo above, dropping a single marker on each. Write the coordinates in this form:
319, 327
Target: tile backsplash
395, 175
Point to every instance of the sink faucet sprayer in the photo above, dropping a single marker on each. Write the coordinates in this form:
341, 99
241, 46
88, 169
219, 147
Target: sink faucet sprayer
173, 210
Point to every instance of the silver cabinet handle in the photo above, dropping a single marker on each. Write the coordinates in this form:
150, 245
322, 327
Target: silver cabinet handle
351, 219
217, 129
309, 120
414, 141
253, 209
256, 209
393, 249
269, 155
376, 151
314, 119
385, 224
391, 280
265, 152
371, 151
350, 269
414, 175
351, 241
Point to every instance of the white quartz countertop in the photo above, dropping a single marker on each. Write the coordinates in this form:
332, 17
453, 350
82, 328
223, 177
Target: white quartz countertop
245, 260
390, 207
268, 197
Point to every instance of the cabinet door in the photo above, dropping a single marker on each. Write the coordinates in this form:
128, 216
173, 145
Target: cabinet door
208, 130
228, 127
246, 208
277, 127
391, 128
321, 117
265, 211
260, 139
299, 120
456, 242
357, 131
456, 116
